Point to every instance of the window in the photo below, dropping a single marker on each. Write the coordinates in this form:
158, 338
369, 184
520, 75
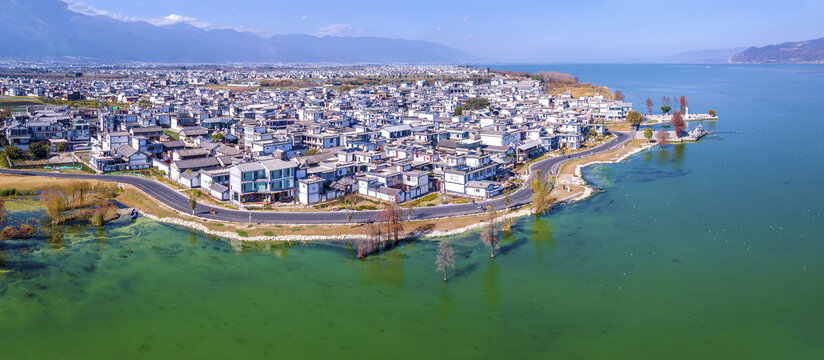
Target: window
248, 187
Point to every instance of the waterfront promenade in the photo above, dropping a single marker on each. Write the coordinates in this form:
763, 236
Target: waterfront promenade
180, 202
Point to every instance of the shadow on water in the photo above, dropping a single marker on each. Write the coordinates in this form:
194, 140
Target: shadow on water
518, 242
100, 236
445, 299
541, 236
678, 155
489, 281
662, 155
385, 269
464, 270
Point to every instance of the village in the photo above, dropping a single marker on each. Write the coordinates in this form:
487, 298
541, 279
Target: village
298, 136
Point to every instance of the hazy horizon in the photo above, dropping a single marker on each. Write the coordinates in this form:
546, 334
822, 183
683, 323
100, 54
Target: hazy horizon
521, 32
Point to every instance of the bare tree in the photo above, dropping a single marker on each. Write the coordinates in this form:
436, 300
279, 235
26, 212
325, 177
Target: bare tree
349, 202
665, 101
410, 207
619, 95
678, 123
390, 217
683, 102
489, 235
649, 106
445, 258
192, 201
662, 137
367, 246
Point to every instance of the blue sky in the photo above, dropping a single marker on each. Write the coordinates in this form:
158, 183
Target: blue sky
512, 30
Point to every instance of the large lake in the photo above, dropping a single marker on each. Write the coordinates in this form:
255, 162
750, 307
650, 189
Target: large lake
706, 250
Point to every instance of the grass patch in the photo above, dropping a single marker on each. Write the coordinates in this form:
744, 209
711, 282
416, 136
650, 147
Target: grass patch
242, 233
430, 197
170, 133
15, 192
268, 233
217, 224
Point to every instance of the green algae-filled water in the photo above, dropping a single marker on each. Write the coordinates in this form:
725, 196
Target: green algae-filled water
706, 250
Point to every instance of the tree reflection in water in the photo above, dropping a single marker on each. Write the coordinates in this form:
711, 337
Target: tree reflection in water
385, 268
489, 281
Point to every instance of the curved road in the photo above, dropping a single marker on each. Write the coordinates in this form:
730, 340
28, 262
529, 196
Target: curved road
180, 202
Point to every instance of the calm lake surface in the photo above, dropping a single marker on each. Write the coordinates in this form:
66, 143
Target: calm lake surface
706, 250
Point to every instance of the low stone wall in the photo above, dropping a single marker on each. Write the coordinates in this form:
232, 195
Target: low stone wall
235, 236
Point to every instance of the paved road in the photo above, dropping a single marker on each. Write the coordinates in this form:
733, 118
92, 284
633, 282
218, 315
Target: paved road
180, 202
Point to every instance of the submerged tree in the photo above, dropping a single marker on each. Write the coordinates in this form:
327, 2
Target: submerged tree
662, 137
445, 258
489, 235
649, 106
55, 201
678, 123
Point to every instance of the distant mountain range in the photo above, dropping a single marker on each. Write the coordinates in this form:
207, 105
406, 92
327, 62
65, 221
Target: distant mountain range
803, 52
47, 28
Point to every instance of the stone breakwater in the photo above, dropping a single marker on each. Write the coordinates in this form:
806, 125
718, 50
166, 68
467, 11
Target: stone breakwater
235, 236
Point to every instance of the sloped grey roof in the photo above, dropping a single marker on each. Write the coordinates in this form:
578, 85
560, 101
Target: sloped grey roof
197, 163
126, 150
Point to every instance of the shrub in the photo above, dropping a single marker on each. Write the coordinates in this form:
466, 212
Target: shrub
13, 152
21, 231
39, 150
98, 219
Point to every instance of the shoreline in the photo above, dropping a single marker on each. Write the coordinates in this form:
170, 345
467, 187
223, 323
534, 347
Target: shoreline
514, 213
429, 228
160, 212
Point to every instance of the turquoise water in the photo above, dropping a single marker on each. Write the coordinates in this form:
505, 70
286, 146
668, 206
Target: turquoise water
705, 250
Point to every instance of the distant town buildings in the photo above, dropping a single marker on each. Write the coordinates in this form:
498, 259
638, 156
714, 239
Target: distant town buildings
394, 140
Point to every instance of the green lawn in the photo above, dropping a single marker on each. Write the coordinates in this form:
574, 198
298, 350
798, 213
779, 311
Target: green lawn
171, 134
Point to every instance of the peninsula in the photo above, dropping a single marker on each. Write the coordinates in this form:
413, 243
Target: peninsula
294, 147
